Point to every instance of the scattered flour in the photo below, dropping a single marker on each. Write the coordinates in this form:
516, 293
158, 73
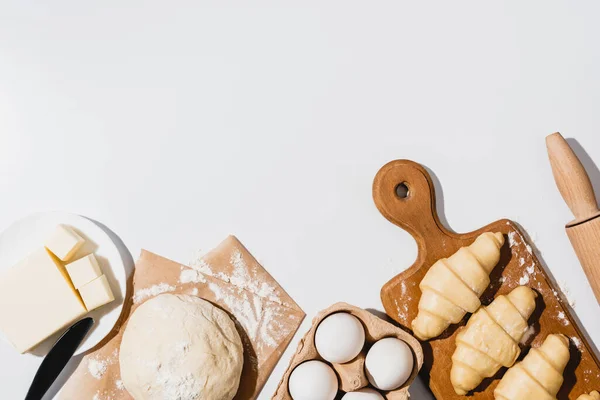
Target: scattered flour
200, 265
97, 368
152, 291
195, 292
96, 396
524, 280
243, 277
511, 238
188, 275
512, 241
259, 319
120, 385
531, 269
402, 311
528, 274
563, 318
567, 293
576, 342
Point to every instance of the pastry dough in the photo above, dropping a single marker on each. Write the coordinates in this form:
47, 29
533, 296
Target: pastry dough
592, 396
452, 286
540, 375
491, 339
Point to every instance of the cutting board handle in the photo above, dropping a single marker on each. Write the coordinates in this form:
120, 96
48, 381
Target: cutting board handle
571, 178
414, 211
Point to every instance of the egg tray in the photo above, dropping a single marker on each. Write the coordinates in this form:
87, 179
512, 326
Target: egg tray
351, 375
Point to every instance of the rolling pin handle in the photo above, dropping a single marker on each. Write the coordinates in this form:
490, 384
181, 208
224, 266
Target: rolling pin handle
571, 178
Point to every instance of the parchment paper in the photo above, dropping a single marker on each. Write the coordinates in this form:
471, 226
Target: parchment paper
266, 316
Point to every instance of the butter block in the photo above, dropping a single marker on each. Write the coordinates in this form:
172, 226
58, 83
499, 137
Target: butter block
84, 270
37, 300
96, 293
64, 242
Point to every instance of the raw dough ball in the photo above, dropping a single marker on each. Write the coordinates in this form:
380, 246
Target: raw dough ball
389, 364
181, 347
363, 394
313, 380
339, 338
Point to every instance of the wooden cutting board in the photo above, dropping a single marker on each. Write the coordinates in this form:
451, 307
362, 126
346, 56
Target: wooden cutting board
416, 213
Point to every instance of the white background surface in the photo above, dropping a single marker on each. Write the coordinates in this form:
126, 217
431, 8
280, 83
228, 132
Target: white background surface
175, 124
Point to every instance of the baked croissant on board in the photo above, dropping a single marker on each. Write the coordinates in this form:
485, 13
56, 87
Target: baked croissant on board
540, 375
490, 340
452, 286
592, 396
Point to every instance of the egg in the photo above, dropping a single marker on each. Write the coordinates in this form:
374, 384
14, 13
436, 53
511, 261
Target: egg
313, 380
363, 394
339, 338
389, 364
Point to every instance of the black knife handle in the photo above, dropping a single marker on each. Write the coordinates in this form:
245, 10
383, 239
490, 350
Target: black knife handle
57, 358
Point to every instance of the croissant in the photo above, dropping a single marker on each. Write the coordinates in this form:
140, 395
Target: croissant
540, 375
452, 286
592, 396
491, 339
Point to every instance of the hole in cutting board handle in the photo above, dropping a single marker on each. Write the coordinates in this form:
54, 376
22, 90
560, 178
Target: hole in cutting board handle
404, 193
402, 190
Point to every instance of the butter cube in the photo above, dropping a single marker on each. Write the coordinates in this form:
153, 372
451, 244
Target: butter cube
37, 300
64, 242
96, 293
84, 270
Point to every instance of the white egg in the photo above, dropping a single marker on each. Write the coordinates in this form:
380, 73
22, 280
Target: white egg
389, 364
313, 380
339, 338
363, 394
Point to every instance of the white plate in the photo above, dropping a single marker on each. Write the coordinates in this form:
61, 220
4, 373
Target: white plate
29, 234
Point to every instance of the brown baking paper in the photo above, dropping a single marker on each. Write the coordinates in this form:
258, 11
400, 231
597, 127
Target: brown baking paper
230, 277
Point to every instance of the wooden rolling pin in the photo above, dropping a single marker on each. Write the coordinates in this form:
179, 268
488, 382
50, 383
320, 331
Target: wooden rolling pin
576, 189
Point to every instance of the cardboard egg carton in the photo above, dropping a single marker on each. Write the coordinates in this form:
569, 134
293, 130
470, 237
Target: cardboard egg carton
351, 375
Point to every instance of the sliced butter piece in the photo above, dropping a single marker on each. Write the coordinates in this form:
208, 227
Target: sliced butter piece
37, 300
64, 242
96, 293
84, 270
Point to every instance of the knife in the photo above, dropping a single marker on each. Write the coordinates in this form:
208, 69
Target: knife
576, 189
58, 357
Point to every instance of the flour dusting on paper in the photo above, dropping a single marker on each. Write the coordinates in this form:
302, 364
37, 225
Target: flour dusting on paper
257, 317
243, 277
97, 368
152, 291
188, 275
201, 265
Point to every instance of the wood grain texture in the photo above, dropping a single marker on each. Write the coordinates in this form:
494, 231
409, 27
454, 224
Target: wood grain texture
585, 239
518, 266
352, 375
571, 178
